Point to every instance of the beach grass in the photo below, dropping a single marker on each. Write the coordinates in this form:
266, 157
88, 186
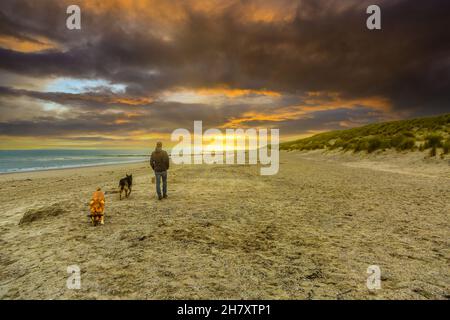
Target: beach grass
431, 133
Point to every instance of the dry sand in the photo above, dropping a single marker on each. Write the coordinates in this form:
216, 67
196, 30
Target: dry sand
225, 232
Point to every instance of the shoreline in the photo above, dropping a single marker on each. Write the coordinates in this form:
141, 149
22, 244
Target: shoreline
71, 168
31, 170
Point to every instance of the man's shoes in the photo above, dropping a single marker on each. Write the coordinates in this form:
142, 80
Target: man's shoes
165, 196
159, 198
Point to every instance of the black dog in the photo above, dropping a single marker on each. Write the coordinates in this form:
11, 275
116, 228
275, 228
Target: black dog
126, 184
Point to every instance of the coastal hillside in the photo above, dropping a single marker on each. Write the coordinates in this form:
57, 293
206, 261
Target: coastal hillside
431, 134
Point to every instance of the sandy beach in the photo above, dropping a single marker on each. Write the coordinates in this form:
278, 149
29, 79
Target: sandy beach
309, 232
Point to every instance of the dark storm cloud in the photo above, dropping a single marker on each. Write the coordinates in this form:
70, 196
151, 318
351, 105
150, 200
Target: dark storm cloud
323, 47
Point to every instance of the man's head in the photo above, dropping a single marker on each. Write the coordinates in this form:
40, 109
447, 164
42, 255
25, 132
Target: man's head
159, 145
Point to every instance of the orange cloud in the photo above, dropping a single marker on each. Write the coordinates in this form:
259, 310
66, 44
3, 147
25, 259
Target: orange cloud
122, 121
334, 100
282, 114
132, 101
127, 118
314, 102
232, 93
216, 95
23, 45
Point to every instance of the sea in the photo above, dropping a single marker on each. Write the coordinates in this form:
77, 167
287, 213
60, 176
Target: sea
35, 160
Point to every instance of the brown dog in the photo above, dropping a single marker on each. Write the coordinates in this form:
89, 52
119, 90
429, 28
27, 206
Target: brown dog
97, 207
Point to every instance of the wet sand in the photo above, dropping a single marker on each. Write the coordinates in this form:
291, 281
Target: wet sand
226, 232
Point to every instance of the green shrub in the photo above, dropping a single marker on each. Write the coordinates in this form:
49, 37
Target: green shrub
338, 143
433, 141
402, 141
395, 140
409, 134
374, 144
360, 145
406, 144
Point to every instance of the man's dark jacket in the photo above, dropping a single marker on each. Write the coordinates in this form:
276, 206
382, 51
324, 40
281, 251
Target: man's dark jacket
159, 160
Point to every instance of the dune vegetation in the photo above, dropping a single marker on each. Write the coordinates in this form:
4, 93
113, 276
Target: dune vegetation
431, 134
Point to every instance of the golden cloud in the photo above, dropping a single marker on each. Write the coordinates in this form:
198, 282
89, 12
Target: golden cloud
27, 45
314, 102
232, 93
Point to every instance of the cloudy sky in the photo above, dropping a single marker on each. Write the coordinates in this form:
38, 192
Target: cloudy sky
139, 69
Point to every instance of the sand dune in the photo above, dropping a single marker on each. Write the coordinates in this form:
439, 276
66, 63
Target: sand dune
226, 232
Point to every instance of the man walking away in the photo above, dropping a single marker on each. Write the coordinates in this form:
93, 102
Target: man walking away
160, 164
